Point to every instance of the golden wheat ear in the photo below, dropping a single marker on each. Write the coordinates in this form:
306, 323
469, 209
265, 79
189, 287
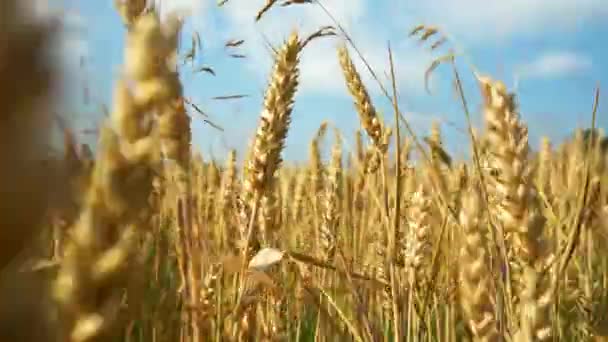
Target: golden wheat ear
476, 279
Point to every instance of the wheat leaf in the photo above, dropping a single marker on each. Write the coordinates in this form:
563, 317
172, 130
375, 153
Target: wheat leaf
234, 42
415, 30
324, 31
438, 43
295, 2
206, 69
267, 6
429, 32
230, 97
433, 66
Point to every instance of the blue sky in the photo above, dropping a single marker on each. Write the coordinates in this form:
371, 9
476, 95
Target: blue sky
551, 51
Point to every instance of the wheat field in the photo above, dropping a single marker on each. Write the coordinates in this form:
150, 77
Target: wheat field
144, 240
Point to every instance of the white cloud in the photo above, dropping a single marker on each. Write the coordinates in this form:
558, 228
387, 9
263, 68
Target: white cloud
555, 64
318, 62
73, 48
471, 21
194, 6
320, 72
200, 19
483, 20
74, 34
72, 42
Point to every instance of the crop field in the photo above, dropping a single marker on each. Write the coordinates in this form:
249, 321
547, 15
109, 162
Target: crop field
142, 238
